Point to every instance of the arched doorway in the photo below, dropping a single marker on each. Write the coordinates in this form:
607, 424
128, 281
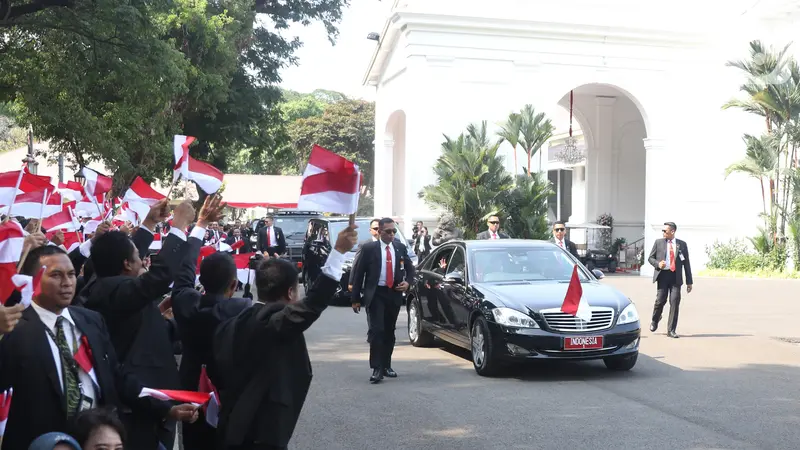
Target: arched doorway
394, 179
610, 179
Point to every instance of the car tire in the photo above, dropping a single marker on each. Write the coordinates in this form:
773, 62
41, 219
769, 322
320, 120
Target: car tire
621, 363
482, 348
416, 335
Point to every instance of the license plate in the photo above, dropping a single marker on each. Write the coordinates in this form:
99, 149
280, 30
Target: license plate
583, 342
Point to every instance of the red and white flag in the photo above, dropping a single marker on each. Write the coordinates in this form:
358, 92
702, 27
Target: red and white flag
84, 358
33, 204
156, 244
90, 206
140, 197
196, 398
19, 182
331, 183
96, 183
243, 272
71, 239
12, 240
61, 221
212, 407
71, 190
180, 147
207, 177
574, 302
5, 407
28, 286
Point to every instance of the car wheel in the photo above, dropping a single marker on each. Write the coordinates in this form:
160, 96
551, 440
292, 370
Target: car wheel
417, 336
621, 363
482, 349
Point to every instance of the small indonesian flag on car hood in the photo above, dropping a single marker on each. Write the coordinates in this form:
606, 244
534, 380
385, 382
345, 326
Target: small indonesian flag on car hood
331, 183
574, 302
5, 407
197, 398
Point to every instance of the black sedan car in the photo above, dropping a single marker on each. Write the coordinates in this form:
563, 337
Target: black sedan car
502, 300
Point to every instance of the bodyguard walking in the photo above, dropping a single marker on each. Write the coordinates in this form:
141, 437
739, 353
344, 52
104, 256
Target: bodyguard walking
670, 258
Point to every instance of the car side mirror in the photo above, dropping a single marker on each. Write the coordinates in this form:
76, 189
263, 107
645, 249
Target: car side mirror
598, 274
454, 277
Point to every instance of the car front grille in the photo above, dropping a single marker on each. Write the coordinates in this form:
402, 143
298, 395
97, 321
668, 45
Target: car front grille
602, 318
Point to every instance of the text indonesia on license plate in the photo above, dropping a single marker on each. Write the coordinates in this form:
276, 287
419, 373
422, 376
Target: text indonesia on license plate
583, 342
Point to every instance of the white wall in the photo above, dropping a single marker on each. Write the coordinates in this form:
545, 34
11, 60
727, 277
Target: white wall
462, 68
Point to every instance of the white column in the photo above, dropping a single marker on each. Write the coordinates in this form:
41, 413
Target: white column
599, 177
384, 162
558, 194
657, 195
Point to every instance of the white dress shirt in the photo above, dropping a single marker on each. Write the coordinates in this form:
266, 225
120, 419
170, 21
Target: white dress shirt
273, 242
89, 386
384, 246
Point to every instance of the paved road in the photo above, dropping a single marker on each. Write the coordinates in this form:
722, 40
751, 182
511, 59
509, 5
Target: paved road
726, 384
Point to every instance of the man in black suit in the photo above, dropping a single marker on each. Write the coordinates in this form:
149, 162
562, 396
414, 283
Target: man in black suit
560, 238
128, 297
271, 240
493, 230
262, 357
40, 360
383, 274
199, 315
236, 236
670, 258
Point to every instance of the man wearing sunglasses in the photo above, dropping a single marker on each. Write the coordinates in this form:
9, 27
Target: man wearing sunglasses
383, 281
493, 231
670, 257
560, 238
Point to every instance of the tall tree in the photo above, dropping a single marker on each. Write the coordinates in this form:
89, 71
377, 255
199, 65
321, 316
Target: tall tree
113, 80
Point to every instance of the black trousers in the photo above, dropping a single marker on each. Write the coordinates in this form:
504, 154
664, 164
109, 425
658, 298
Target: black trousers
382, 315
667, 287
199, 435
254, 447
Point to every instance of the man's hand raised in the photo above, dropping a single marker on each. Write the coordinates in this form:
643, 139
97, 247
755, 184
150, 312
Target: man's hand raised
183, 215
9, 317
101, 230
211, 211
347, 239
158, 213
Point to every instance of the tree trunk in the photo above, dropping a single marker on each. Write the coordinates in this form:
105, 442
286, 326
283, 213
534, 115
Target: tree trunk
515, 164
763, 195
529, 161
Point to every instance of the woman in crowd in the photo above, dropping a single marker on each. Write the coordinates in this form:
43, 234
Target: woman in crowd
99, 429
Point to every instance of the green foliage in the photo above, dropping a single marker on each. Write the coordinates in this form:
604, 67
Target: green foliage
736, 255
524, 208
472, 184
113, 81
605, 234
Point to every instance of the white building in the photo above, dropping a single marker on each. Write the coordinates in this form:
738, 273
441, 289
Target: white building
649, 79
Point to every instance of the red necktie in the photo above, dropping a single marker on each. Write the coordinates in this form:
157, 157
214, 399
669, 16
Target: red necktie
561, 244
269, 244
494, 235
671, 257
389, 268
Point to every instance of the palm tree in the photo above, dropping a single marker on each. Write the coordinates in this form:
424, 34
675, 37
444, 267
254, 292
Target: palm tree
470, 179
509, 131
535, 130
761, 159
525, 207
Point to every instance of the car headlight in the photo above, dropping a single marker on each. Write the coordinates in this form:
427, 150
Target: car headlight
628, 315
513, 318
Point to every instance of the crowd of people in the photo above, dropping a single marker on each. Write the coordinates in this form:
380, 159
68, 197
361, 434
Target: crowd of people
101, 328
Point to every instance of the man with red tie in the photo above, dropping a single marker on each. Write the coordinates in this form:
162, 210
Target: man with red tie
560, 239
670, 258
493, 230
384, 279
271, 240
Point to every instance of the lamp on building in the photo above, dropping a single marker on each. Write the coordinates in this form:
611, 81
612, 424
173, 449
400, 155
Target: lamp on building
570, 154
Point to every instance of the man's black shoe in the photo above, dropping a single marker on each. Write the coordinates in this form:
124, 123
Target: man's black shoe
390, 373
673, 335
376, 376
653, 326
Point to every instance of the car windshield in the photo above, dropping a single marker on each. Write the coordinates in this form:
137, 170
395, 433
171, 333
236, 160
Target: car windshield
521, 265
363, 232
293, 227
